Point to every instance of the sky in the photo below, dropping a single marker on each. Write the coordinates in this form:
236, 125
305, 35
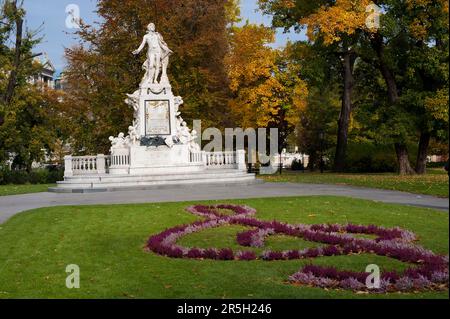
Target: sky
50, 16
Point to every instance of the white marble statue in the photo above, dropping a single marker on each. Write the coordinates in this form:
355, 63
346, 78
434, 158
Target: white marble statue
133, 101
157, 57
118, 142
193, 145
184, 133
133, 136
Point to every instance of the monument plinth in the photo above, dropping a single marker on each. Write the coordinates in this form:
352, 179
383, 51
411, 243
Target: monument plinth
159, 149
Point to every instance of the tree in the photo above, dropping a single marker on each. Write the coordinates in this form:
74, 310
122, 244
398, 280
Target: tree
29, 114
327, 26
321, 69
267, 91
387, 48
427, 72
101, 70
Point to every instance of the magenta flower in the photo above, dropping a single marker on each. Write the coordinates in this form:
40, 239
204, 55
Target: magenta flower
429, 270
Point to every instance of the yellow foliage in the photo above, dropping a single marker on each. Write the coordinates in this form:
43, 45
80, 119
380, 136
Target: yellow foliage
437, 105
345, 17
263, 93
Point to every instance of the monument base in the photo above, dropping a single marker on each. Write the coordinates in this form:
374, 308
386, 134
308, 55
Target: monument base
138, 168
108, 183
143, 160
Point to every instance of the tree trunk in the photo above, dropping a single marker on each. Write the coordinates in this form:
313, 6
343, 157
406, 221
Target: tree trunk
400, 147
378, 46
403, 160
12, 79
344, 118
422, 154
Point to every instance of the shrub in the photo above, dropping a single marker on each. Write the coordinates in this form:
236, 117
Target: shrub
437, 165
39, 176
55, 174
370, 158
17, 177
48, 175
297, 165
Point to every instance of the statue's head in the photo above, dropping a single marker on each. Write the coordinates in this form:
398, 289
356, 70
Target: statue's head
151, 27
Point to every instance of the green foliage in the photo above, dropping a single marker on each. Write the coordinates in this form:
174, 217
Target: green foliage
30, 117
440, 165
370, 158
37, 176
297, 165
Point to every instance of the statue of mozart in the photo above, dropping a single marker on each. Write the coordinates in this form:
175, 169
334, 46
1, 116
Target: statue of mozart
157, 57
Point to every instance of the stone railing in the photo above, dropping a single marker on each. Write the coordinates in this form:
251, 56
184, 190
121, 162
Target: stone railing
120, 162
120, 158
227, 159
197, 157
86, 165
220, 159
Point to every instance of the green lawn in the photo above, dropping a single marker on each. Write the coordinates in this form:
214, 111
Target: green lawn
434, 183
107, 243
6, 190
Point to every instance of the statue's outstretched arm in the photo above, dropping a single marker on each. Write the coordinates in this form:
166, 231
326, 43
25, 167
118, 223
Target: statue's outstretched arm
140, 47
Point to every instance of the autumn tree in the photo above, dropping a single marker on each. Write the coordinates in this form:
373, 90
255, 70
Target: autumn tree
267, 91
407, 26
320, 18
102, 69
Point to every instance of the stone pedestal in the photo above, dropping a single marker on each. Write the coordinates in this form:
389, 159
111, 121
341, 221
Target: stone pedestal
156, 160
157, 113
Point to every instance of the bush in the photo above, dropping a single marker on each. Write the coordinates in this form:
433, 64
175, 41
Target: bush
437, 165
39, 176
371, 158
55, 175
297, 165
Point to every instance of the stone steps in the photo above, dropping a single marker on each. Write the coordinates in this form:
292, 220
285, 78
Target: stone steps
85, 184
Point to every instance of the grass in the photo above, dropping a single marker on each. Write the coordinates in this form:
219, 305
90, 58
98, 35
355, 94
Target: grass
435, 183
107, 243
6, 190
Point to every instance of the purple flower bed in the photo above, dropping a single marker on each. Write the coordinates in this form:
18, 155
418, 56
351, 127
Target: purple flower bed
428, 270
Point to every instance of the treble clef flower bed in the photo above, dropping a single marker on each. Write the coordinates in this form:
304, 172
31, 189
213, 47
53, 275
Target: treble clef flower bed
428, 271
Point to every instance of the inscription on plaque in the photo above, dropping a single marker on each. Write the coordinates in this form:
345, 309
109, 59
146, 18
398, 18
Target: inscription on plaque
157, 118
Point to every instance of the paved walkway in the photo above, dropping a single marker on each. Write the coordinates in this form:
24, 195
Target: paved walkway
12, 205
